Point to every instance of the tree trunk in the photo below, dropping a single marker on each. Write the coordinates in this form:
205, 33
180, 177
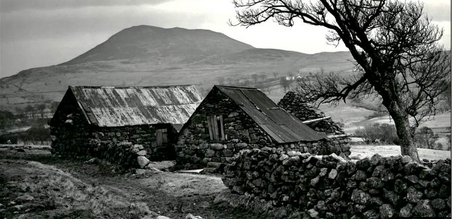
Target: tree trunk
402, 124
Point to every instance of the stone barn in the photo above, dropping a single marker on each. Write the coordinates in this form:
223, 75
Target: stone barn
313, 117
296, 105
93, 117
234, 118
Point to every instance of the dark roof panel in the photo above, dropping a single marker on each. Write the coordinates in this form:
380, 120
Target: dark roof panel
279, 124
126, 106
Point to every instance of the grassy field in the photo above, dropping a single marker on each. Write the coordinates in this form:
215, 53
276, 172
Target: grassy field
362, 151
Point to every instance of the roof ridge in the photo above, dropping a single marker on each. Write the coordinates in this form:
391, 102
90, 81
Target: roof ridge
236, 87
124, 87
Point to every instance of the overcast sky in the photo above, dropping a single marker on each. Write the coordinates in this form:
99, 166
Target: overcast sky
36, 33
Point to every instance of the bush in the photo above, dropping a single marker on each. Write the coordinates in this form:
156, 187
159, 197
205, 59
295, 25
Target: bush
6, 119
425, 138
379, 133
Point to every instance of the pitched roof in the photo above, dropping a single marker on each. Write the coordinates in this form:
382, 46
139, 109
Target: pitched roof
279, 124
127, 106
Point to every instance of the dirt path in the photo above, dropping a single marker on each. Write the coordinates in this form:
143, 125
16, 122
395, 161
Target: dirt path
41, 186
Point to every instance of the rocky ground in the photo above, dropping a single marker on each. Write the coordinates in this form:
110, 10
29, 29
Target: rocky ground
35, 184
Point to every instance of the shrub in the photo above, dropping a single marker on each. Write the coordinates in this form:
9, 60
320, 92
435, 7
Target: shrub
425, 138
382, 133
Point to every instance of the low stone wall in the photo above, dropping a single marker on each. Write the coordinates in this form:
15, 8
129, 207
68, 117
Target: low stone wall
124, 154
214, 156
313, 186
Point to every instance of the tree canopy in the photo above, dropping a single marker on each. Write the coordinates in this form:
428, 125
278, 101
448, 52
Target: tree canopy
394, 46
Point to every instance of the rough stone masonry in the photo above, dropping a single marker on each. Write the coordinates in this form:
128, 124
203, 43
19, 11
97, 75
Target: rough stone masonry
195, 150
301, 185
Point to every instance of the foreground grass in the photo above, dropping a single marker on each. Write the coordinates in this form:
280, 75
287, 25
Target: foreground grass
36, 190
63, 188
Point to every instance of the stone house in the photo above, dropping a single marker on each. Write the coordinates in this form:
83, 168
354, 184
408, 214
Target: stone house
313, 117
93, 117
230, 119
296, 105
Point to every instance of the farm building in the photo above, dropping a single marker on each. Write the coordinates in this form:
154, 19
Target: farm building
297, 106
234, 118
90, 116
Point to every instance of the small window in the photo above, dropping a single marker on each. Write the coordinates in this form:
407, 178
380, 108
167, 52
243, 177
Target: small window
161, 137
216, 130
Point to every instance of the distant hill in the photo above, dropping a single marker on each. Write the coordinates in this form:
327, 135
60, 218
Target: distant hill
147, 55
144, 43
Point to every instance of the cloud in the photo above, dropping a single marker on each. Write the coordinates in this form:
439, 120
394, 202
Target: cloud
438, 12
18, 5
45, 32
107, 20
33, 36
30, 53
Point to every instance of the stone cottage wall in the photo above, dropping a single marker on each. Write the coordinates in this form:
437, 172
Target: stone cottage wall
142, 135
73, 136
69, 129
95, 141
195, 149
295, 185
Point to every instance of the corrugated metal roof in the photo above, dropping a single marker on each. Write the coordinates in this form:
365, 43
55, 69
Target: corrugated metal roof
126, 106
279, 124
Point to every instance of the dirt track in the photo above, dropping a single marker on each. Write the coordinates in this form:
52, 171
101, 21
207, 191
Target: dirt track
38, 185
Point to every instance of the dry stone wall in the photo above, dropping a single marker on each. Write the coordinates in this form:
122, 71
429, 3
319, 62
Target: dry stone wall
299, 185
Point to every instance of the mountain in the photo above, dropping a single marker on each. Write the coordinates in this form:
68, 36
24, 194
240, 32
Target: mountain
147, 55
145, 43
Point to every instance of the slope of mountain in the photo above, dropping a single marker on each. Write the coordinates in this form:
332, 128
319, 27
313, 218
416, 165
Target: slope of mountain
146, 55
144, 43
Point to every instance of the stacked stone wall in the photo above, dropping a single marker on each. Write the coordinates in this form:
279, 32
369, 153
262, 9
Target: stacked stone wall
292, 184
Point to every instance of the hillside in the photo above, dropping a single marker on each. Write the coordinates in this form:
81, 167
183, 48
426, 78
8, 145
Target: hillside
146, 55
149, 44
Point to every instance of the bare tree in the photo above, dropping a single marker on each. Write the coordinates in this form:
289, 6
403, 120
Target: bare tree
41, 108
394, 47
285, 84
425, 138
255, 77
